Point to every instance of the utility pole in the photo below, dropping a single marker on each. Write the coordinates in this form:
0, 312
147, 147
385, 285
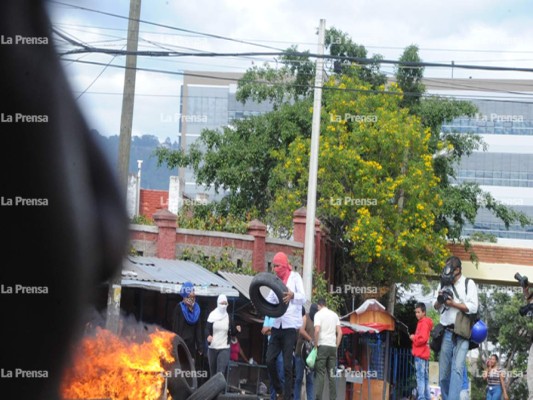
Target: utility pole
138, 192
126, 121
309, 245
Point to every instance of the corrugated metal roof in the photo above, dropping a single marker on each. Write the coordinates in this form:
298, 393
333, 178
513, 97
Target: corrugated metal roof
240, 282
167, 276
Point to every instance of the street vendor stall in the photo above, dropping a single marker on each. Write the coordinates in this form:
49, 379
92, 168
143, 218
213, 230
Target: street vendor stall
366, 351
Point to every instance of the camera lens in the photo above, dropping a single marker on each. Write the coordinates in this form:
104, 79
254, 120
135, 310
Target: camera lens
518, 277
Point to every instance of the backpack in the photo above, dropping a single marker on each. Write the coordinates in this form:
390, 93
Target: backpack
472, 317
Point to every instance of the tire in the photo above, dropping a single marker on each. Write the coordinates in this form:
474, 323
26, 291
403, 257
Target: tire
181, 385
211, 389
261, 304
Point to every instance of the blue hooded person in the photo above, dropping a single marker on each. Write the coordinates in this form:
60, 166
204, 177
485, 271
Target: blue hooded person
187, 320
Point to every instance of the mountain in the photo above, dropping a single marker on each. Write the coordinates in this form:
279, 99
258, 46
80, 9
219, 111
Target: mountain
142, 148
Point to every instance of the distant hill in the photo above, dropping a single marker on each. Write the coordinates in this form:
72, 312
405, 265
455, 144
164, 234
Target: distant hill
142, 148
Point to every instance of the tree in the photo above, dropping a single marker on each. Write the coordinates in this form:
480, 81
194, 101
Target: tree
240, 159
410, 78
461, 201
378, 204
394, 161
509, 333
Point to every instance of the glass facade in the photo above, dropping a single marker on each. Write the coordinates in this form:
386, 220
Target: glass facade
210, 106
508, 176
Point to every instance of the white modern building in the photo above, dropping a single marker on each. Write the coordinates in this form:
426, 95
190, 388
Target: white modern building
208, 102
505, 122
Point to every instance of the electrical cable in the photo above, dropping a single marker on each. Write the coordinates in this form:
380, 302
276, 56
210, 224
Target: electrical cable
166, 26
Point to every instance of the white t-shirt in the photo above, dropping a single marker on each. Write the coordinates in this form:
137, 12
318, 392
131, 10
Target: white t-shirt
220, 334
328, 321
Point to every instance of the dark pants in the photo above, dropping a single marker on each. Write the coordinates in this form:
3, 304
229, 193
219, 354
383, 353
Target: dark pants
325, 368
279, 368
218, 360
281, 340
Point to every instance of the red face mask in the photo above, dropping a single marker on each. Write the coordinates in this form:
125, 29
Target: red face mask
282, 272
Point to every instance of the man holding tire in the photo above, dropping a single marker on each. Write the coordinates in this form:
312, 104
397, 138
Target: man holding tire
285, 328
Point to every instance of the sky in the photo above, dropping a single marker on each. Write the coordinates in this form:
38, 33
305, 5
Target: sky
478, 32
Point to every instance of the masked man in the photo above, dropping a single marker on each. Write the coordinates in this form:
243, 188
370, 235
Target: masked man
285, 328
456, 294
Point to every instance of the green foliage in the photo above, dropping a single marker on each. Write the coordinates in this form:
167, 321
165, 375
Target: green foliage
509, 333
221, 262
322, 290
241, 159
410, 78
483, 237
212, 217
340, 44
376, 186
142, 220
399, 160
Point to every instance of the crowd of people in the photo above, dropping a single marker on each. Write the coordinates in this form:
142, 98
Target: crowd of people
294, 334
290, 337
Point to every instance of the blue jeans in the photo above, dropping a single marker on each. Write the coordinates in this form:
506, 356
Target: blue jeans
494, 392
298, 379
451, 363
422, 378
279, 367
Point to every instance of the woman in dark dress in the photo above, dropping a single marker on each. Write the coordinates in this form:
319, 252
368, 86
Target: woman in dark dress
187, 320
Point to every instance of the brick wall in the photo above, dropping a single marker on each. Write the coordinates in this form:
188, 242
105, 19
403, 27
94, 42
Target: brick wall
494, 253
152, 201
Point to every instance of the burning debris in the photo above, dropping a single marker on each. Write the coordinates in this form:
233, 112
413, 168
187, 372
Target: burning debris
120, 368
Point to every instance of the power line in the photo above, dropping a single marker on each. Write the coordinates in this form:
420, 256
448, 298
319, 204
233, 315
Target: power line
198, 75
314, 44
166, 26
359, 60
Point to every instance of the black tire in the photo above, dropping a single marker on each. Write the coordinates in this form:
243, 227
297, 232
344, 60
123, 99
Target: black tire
260, 303
181, 385
211, 389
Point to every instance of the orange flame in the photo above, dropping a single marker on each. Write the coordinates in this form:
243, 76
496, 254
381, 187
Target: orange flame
107, 366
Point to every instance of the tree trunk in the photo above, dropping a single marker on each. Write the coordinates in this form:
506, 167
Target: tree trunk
392, 298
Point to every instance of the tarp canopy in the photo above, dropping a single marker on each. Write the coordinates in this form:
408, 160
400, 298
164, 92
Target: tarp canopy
167, 276
348, 328
372, 314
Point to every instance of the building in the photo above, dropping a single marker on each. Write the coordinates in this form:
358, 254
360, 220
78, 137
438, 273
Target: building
505, 122
208, 101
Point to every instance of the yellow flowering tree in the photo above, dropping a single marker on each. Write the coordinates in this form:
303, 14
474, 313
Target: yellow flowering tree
377, 191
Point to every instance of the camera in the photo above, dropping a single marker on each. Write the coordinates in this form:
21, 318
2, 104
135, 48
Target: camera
522, 280
526, 310
446, 295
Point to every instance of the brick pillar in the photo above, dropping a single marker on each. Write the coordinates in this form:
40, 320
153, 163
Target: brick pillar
298, 224
318, 246
324, 235
258, 230
166, 237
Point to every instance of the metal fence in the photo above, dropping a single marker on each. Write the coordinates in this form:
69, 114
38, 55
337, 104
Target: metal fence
402, 373
401, 367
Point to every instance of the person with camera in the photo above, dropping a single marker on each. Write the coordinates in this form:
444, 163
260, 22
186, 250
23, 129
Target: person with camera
456, 294
527, 309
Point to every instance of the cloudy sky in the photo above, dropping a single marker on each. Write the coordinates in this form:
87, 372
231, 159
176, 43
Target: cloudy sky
479, 32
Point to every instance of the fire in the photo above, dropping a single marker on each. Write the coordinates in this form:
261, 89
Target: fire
108, 366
